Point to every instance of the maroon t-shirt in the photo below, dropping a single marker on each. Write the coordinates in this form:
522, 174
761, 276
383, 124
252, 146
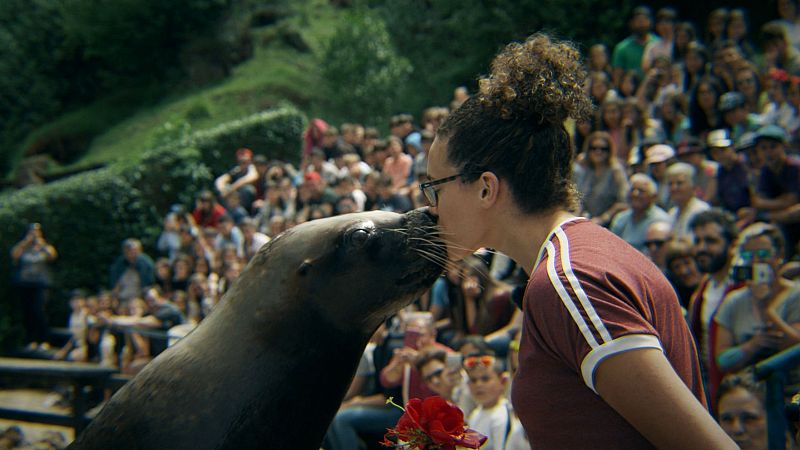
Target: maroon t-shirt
590, 296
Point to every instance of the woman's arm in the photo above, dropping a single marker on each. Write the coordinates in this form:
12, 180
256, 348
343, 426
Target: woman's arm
642, 386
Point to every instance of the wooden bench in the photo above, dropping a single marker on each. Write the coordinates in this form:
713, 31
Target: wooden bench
78, 375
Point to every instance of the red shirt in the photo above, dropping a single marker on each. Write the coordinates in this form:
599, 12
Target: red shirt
590, 296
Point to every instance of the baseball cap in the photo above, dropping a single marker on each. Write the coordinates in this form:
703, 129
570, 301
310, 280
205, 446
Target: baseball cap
659, 153
746, 141
719, 138
312, 176
773, 132
730, 101
689, 146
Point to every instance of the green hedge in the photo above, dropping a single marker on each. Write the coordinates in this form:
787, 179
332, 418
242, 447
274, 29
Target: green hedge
87, 216
276, 134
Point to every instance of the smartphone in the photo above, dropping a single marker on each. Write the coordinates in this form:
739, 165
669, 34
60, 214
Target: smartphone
410, 338
742, 273
762, 273
453, 360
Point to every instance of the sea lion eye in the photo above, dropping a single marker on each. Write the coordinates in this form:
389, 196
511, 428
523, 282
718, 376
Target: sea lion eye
359, 237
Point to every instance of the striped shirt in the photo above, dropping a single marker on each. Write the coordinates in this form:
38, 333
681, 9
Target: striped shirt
590, 296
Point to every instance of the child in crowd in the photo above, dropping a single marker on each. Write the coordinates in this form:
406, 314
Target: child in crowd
493, 415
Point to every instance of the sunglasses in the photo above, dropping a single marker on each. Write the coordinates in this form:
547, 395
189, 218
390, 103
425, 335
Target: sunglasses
435, 374
428, 187
485, 360
762, 253
657, 243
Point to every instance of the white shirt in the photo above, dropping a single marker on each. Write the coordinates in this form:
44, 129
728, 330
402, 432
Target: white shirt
494, 424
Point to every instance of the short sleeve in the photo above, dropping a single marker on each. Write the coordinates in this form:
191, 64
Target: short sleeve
586, 317
725, 313
791, 307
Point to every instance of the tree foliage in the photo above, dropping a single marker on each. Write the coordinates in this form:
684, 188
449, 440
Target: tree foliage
362, 71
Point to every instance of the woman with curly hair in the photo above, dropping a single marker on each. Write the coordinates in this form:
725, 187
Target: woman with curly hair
603, 333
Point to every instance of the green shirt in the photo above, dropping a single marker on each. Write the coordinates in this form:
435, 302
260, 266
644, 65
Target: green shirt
628, 53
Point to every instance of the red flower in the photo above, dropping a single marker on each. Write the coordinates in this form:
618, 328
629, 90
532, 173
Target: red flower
434, 423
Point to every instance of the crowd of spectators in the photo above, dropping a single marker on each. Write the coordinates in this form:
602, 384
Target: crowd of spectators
691, 158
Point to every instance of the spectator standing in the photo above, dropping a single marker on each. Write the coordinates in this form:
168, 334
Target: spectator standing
132, 272
628, 53
32, 279
664, 46
632, 223
714, 233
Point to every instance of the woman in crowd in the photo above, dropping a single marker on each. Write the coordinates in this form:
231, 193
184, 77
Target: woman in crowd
673, 119
695, 65
703, 114
609, 119
32, 257
764, 317
778, 110
742, 412
601, 179
747, 82
629, 84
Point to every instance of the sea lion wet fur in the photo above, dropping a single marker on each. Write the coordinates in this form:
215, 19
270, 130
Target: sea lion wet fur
269, 367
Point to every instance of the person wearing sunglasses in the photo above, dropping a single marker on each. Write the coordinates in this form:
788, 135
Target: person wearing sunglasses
603, 333
764, 317
601, 179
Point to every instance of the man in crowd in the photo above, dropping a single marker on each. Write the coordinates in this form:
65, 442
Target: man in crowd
631, 224
680, 178
732, 191
628, 53
714, 233
132, 272
240, 179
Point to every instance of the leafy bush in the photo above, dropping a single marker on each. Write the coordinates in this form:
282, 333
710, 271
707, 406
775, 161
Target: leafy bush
362, 70
276, 134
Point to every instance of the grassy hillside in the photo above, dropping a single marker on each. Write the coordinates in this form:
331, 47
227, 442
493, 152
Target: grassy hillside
283, 68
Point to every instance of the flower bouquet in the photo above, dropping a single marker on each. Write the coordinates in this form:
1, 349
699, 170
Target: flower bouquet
433, 423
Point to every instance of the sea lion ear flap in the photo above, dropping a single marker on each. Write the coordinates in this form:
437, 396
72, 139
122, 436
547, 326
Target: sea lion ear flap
304, 268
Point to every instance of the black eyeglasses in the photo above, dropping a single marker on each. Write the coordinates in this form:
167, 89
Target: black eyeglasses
428, 189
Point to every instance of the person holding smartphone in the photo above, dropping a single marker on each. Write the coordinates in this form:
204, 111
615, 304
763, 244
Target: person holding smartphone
764, 317
32, 257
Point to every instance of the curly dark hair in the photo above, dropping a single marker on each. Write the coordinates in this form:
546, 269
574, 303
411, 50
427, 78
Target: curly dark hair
514, 125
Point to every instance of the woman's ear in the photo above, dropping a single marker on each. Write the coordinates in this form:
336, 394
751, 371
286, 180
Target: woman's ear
489, 188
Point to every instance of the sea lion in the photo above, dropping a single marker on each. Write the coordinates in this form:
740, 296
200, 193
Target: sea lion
269, 366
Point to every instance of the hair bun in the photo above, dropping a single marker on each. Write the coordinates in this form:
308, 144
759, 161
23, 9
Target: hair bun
540, 79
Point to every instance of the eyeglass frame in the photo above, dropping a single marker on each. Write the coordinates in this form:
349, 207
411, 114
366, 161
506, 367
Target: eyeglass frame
431, 195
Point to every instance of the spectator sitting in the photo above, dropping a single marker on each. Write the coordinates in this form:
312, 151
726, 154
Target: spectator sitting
181, 273
253, 240
234, 208
388, 198
658, 158
778, 185
779, 110
448, 382
493, 415
778, 51
733, 108
601, 179
320, 164
207, 211
680, 177
764, 317
229, 233
732, 192
314, 191
402, 126
241, 178
132, 272
169, 241
349, 186
632, 223
657, 235
419, 334
163, 275
398, 165
681, 270
742, 412
704, 180
76, 348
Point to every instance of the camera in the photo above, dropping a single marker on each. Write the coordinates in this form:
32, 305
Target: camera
742, 273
